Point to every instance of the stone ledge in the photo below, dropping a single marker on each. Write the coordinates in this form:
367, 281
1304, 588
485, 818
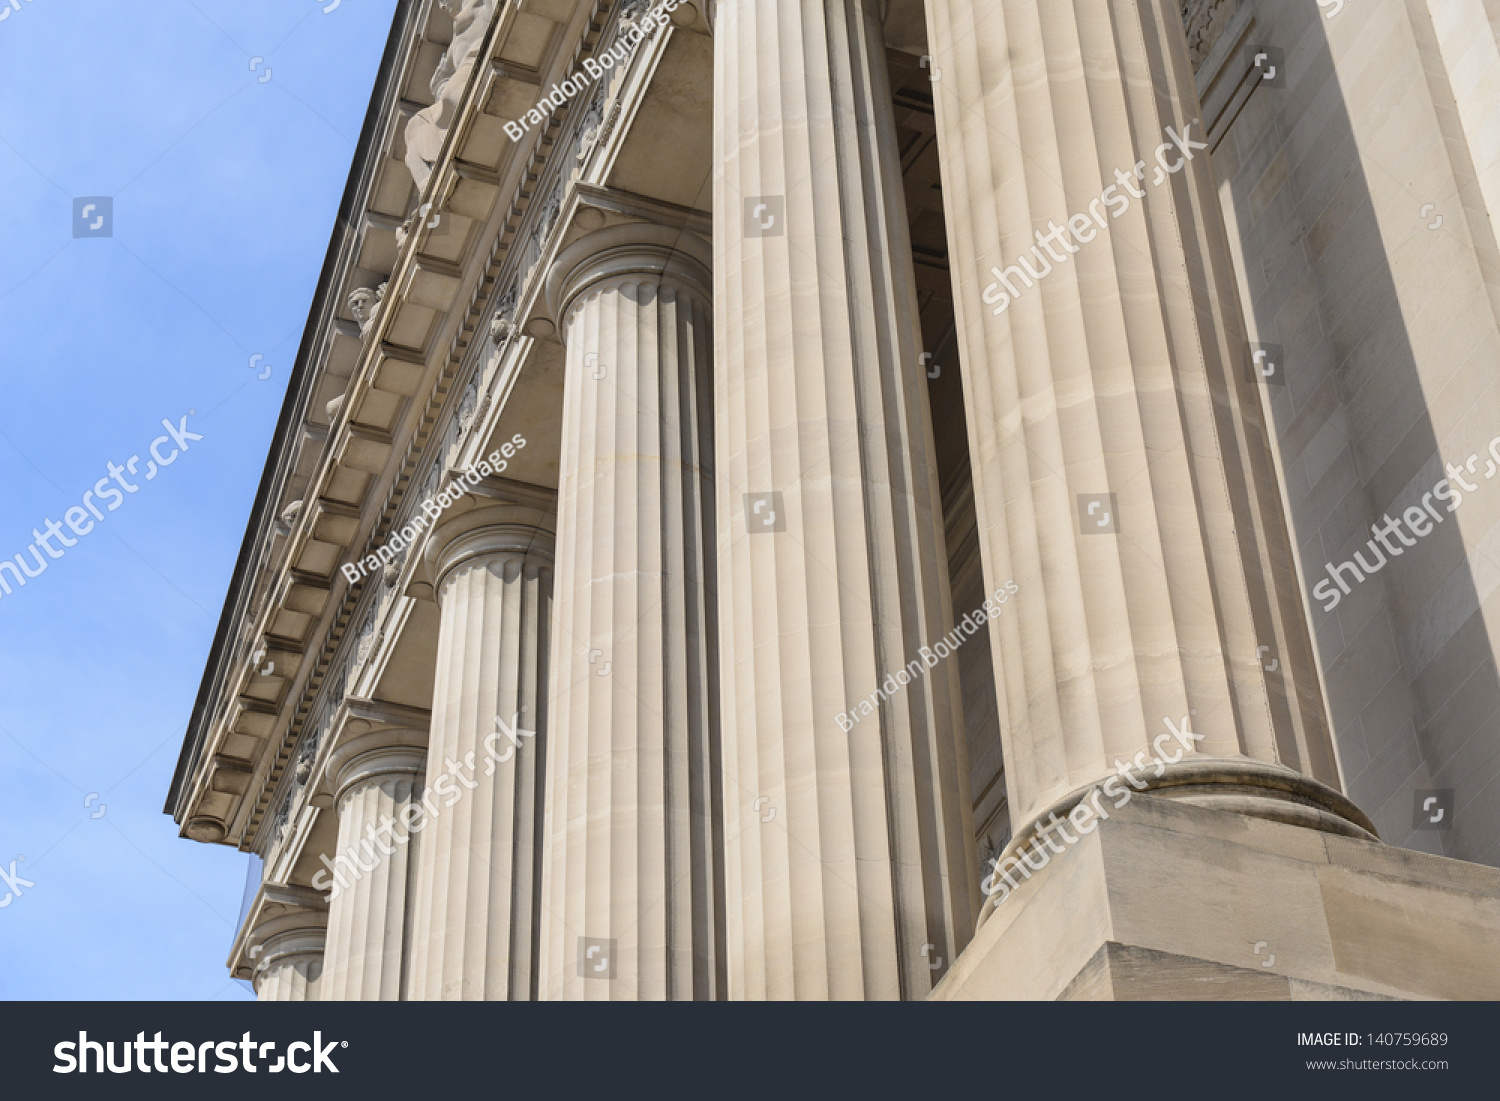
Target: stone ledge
1169, 901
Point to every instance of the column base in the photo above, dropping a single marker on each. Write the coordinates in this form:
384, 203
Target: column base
1170, 901
1238, 784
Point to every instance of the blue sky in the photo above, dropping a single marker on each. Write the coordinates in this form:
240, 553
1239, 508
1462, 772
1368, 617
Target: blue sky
225, 184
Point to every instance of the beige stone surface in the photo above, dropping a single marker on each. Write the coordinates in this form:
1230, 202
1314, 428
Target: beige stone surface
1169, 901
865, 875
378, 775
631, 821
1361, 202
1121, 370
689, 801
289, 952
475, 903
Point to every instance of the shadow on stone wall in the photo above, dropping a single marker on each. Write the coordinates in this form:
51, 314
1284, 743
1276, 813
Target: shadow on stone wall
1410, 676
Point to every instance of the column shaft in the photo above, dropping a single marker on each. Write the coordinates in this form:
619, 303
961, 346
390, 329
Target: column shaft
291, 980
367, 918
1114, 362
631, 813
866, 875
474, 920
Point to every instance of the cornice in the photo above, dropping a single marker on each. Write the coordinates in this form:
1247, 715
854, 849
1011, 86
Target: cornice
351, 447
299, 391
400, 416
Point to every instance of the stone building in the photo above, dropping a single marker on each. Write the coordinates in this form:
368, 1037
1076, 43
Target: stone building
765, 484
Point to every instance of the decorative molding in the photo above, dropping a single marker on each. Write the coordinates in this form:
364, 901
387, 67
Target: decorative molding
503, 323
645, 209
1204, 21
591, 126
423, 446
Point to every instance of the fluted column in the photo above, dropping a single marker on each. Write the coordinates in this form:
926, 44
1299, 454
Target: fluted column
289, 958
474, 921
866, 875
631, 846
378, 777
1116, 363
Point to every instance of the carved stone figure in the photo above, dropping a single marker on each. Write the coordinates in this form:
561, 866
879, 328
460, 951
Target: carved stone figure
425, 131
304, 767
288, 518
366, 638
503, 324
592, 126
631, 15
364, 304
469, 404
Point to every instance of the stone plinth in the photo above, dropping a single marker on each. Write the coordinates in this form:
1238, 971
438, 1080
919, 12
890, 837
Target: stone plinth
1170, 901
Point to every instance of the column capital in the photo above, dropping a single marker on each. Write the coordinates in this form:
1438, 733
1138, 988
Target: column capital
616, 253
520, 531
880, 9
295, 939
371, 757
378, 777
301, 933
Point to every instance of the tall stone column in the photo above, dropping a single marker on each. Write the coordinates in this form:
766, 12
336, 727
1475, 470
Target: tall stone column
474, 922
377, 777
289, 959
1107, 357
632, 849
865, 878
